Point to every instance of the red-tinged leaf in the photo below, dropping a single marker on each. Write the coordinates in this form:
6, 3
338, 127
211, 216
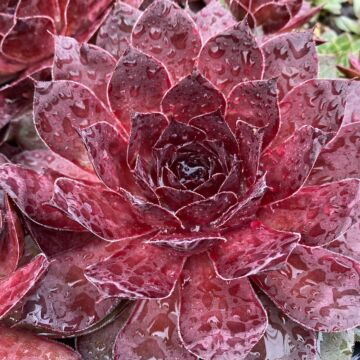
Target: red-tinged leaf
212, 20
145, 131
272, 17
291, 58
107, 151
218, 318
16, 285
173, 199
61, 108
84, 63
11, 238
114, 34
20, 345
151, 332
6, 22
255, 102
137, 85
250, 140
319, 103
287, 166
31, 192
53, 242
40, 160
103, 212
187, 243
320, 213
99, 344
347, 244
215, 128
217, 182
340, 158
64, 303
252, 249
83, 24
138, 271
167, 33
29, 40
283, 339
191, 97
352, 110
317, 288
231, 57
205, 213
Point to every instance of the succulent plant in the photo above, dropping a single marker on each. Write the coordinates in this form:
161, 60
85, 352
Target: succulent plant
212, 178
353, 71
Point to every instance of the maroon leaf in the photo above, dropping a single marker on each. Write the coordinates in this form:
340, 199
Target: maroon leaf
317, 288
319, 103
33, 8
212, 20
352, 105
137, 85
105, 213
252, 249
145, 131
29, 40
192, 96
255, 102
64, 303
231, 57
167, 33
130, 273
218, 318
287, 166
114, 34
320, 213
291, 58
283, 338
187, 243
31, 192
204, 213
60, 109
11, 238
16, 285
19, 345
83, 63
272, 17
151, 332
339, 159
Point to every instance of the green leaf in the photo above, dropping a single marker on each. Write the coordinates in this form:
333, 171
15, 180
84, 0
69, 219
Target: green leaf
356, 5
327, 67
333, 6
336, 346
346, 24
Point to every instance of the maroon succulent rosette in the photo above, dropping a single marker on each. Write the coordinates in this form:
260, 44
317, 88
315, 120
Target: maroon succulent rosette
211, 178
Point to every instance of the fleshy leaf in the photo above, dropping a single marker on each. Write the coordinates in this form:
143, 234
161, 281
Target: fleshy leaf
291, 58
255, 102
138, 271
287, 166
272, 17
84, 63
319, 103
352, 110
191, 97
137, 85
320, 213
29, 40
212, 20
252, 249
218, 318
167, 33
283, 339
231, 57
204, 213
340, 158
105, 213
151, 332
114, 34
60, 109
19, 345
317, 288
31, 191
15, 286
